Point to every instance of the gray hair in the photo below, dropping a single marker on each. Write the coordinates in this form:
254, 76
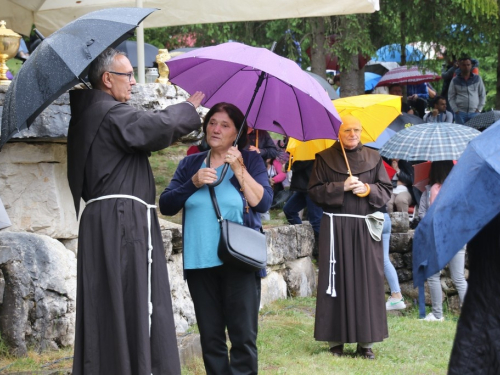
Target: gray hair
101, 64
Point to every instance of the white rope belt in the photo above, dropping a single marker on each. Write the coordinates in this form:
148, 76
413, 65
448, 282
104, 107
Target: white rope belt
150, 244
331, 273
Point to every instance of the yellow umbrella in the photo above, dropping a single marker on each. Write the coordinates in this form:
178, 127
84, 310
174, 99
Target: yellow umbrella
375, 111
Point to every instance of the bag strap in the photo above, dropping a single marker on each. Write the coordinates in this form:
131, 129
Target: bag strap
212, 194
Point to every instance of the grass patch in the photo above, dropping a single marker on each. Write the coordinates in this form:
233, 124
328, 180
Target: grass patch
287, 346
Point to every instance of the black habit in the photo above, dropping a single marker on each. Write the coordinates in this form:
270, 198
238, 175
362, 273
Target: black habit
108, 147
357, 313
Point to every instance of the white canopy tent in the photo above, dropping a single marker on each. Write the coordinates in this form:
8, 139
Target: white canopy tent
51, 15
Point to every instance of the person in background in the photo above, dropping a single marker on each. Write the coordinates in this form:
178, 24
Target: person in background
301, 173
276, 177
438, 173
223, 296
467, 94
397, 89
417, 96
261, 142
350, 303
439, 113
401, 197
395, 300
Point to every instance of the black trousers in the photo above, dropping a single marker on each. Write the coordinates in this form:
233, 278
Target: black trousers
225, 297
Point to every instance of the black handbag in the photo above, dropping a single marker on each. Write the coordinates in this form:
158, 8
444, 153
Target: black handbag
239, 246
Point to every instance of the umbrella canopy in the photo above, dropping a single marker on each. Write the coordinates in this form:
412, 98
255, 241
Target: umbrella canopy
289, 102
332, 94
306, 150
401, 122
483, 120
430, 141
50, 15
467, 201
380, 67
392, 53
375, 111
59, 61
371, 80
408, 76
130, 48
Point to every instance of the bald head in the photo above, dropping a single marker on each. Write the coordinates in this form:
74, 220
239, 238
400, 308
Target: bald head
350, 131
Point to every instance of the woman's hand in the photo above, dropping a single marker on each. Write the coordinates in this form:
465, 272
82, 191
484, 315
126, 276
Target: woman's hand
234, 158
204, 176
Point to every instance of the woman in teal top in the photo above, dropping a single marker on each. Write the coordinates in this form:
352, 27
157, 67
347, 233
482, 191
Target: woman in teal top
223, 297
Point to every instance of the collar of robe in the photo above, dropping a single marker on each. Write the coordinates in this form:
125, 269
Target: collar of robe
361, 159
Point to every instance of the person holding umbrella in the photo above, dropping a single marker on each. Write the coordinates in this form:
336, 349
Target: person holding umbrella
438, 173
350, 304
223, 295
124, 319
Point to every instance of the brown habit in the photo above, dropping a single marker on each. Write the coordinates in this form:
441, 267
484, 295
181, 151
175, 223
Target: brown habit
357, 313
108, 147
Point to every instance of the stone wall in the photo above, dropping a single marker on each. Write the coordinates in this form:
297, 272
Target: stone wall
400, 253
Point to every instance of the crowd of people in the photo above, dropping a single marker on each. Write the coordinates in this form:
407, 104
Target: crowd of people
124, 314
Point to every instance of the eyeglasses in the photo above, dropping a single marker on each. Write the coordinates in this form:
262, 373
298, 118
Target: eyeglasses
130, 75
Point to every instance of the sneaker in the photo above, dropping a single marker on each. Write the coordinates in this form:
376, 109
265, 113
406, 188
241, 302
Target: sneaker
395, 304
431, 318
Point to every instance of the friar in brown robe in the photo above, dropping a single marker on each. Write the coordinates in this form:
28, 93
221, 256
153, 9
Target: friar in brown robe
108, 147
350, 305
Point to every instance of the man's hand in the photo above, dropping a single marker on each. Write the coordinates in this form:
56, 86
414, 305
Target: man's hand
253, 148
435, 112
351, 183
196, 98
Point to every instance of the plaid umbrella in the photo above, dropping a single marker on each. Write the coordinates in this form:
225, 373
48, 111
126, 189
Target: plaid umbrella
431, 141
483, 120
408, 76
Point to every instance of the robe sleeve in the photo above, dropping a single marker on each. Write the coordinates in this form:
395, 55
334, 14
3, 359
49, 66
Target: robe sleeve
135, 130
323, 193
179, 190
381, 189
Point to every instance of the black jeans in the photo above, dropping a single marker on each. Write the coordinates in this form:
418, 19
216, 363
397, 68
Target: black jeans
225, 297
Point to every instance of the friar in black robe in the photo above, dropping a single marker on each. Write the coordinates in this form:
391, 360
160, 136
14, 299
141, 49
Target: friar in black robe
353, 309
108, 147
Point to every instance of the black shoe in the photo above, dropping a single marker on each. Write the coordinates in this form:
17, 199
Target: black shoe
337, 351
366, 353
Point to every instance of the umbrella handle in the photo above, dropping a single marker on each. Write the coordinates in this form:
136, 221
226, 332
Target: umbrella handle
349, 171
262, 76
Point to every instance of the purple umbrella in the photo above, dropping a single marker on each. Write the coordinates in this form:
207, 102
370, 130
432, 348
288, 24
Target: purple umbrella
290, 101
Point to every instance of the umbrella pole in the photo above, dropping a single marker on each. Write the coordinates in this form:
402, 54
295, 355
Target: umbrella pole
349, 171
257, 87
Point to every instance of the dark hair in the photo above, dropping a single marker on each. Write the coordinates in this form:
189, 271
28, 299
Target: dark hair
336, 78
101, 64
437, 98
234, 114
464, 57
439, 171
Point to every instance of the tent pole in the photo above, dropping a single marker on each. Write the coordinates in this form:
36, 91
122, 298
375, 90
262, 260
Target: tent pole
140, 49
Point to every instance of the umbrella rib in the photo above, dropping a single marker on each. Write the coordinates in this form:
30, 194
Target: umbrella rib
261, 101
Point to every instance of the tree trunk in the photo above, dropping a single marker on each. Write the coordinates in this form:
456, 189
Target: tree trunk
318, 60
352, 80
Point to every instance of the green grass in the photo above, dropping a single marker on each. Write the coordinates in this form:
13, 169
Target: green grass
286, 346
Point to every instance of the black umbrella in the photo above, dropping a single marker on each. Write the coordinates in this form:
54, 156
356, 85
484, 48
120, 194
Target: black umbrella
403, 121
130, 48
61, 60
483, 120
332, 94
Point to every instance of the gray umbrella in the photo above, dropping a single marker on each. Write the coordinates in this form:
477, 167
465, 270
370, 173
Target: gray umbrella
130, 48
61, 60
324, 83
483, 120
